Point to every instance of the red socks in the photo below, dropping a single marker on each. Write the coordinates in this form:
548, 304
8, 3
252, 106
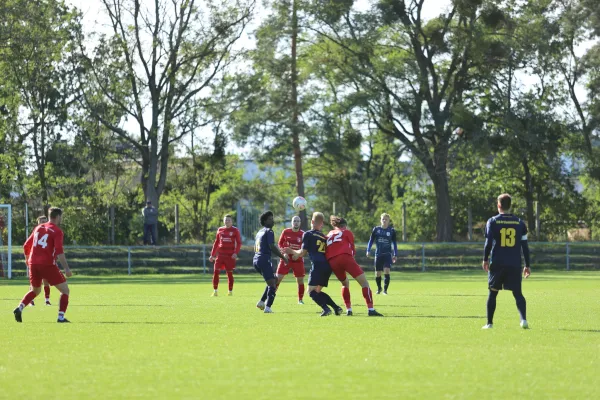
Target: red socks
346, 296
47, 291
230, 280
300, 292
28, 297
64, 303
368, 295
216, 279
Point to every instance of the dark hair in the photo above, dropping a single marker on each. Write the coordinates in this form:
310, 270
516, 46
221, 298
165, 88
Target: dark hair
337, 222
264, 216
228, 216
54, 212
505, 201
40, 218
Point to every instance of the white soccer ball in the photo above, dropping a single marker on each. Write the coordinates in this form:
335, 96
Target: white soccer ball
299, 203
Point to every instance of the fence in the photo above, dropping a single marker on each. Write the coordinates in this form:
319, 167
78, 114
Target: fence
193, 259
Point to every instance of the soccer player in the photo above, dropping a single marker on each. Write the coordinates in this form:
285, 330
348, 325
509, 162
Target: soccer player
314, 244
225, 252
264, 247
42, 248
384, 237
505, 239
42, 220
292, 238
340, 255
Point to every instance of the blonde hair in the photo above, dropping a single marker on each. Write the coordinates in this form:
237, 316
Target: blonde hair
42, 219
386, 215
318, 217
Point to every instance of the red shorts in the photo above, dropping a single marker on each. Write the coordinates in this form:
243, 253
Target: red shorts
225, 262
50, 273
343, 263
297, 267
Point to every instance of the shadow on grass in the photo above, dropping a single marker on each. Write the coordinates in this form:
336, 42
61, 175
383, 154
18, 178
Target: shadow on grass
131, 323
581, 330
437, 316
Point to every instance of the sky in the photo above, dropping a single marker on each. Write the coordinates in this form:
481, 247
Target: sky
95, 20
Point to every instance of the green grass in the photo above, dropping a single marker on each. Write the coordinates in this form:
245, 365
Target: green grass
164, 337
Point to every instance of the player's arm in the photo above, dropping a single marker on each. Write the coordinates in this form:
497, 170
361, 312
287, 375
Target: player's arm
58, 248
237, 244
371, 240
274, 248
27, 246
213, 252
526, 254
487, 249
395, 245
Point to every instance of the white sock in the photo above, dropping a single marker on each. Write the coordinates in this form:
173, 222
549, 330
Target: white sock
349, 309
267, 308
21, 306
371, 309
61, 315
47, 299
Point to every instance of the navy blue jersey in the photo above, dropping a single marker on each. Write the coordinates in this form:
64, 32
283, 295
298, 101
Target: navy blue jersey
385, 241
505, 238
315, 243
262, 245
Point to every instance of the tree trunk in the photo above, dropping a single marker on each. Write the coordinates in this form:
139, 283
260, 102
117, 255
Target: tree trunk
439, 176
529, 197
295, 115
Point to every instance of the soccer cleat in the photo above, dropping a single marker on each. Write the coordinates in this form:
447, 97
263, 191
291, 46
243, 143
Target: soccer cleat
339, 311
48, 303
260, 305
215, 294
17, 312
63, 321
524, 324
300, 302
32, 303
487, 326
385, 292
349, 313
230, 293
378, 291
268, 310
374, 313
326, 313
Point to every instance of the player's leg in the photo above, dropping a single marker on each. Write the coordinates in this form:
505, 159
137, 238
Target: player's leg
63, 302
271, 292
146, 232
261, 303
378, 271
47, 292
35, 281
216, 276
299, 273
495, 281
386, 275
229, 269
314, 292
513, 282
367, 293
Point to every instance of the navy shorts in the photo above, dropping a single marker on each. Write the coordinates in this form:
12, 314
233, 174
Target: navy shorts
503, 277
319, 274
383, 261
265, 268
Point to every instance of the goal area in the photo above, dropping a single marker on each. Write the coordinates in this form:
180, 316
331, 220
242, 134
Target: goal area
5, 241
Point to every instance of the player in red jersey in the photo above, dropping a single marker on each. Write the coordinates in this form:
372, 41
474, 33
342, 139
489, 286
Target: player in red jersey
43, 247
225, 252
42, 220
340, 255
292, 238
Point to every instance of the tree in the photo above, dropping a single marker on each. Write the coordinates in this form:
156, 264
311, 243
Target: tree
410, 75
156, 73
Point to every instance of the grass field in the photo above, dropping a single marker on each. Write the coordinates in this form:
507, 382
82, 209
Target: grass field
164, 337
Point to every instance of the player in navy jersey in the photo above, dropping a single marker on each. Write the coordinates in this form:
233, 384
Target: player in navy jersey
505, 238
314, 244
386, 250
264, 247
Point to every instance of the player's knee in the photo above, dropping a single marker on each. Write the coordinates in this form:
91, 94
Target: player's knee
36, 290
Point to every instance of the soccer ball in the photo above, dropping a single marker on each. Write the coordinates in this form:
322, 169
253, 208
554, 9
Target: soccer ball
299, 203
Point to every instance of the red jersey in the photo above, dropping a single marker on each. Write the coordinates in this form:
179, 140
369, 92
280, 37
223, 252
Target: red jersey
291, 239
227, 242
339, 241
44, 244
